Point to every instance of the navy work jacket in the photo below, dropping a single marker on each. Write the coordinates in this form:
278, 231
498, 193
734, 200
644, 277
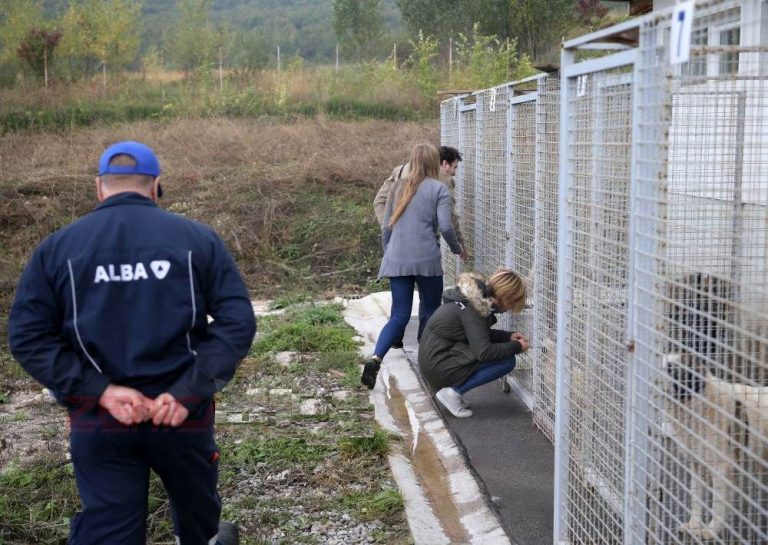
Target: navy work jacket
123, 295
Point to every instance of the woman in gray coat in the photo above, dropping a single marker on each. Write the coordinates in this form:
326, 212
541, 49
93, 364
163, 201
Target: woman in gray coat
459, 351
420, 207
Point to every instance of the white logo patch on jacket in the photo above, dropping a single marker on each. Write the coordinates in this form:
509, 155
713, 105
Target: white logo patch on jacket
130, 273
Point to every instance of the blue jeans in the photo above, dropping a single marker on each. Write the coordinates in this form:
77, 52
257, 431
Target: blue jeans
430, 293
487, 372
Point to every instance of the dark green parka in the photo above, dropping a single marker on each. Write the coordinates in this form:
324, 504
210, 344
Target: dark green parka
458, 336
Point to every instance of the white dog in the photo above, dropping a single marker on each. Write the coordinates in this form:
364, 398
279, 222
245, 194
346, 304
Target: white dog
702, 413
754, 399
706, 411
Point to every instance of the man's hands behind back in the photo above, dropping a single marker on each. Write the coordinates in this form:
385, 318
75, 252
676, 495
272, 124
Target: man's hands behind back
129, 407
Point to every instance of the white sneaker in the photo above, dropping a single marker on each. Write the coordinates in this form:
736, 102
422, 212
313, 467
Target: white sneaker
451, 400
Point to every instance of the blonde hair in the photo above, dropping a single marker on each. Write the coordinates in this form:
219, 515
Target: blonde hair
424, 163
507, 286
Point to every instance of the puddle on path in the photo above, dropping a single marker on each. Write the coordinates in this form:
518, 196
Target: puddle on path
428, 467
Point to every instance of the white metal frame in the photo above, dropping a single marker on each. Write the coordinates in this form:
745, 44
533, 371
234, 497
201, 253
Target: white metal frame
571, 70
523, 393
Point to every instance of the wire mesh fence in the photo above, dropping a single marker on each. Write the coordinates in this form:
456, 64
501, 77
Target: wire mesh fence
466, 190
702, 473
520, 216
635, 196
543, 282
490, 177
597, 134
449, 136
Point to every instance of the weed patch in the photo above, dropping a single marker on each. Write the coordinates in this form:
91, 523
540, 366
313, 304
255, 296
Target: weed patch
312, 329
278, 452
386, 504
39, 498
285, 301
376, 444
37, 501
79, 115
339, 361
304, 338
73, 106
350, 108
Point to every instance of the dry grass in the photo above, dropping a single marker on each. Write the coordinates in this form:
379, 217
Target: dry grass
255, 93
292, 200
195, 151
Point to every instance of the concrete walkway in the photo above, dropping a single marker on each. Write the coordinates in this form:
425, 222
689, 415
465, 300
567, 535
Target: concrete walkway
486, 479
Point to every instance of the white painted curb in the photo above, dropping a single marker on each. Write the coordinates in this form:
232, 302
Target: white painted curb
368, 316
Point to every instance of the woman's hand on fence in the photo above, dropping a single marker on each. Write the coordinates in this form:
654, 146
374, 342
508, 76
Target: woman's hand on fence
522, 339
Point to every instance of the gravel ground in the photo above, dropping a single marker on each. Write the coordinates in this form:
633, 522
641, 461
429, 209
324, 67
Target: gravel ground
328, 498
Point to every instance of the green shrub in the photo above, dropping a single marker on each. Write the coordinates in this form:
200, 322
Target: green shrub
483, 61
423, 71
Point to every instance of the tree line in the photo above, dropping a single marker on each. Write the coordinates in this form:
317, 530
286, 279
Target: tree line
537, 27
101, 37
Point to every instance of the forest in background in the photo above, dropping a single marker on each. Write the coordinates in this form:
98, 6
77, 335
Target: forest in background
74, 39
69, 63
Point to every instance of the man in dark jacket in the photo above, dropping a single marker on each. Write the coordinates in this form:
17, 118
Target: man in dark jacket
459, 350
111, 314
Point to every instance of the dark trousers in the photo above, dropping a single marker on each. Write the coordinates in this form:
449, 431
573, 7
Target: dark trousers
112, 464
430, 293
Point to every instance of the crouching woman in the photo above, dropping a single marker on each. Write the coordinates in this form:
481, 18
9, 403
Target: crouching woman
458, 350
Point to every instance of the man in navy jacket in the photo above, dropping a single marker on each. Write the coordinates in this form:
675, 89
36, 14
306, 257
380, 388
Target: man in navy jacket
112, 315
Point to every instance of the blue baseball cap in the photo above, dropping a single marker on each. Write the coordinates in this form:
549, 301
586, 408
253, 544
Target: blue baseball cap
146, 161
